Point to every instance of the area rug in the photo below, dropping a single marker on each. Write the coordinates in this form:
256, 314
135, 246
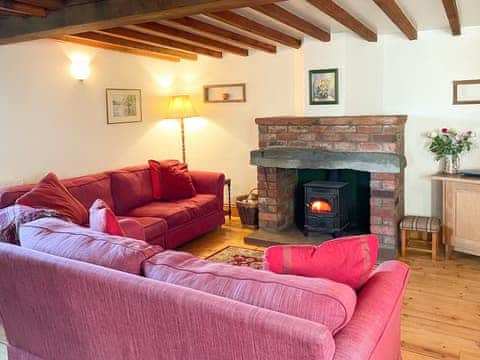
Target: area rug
235, 255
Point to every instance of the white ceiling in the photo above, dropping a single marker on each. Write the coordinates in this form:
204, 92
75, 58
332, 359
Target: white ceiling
425, 14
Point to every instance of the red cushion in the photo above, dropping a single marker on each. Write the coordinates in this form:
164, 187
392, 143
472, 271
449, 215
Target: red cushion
172, 213
348, 260
51, 194
171, 180
89, 188
103, 219
131, 187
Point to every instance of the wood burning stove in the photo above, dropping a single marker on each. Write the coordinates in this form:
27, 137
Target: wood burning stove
326, 208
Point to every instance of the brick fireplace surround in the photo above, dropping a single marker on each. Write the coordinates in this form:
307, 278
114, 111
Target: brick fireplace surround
366, 143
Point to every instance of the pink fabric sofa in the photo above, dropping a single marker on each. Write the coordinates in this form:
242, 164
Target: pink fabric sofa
57, 308
129, 192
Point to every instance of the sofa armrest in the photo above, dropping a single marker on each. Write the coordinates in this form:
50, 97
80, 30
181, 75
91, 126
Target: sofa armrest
207, 182
374, 331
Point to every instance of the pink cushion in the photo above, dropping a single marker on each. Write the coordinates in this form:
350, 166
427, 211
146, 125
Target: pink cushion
103, 219
49, 193
348, 260
131, 188
319, 300
68, 240
171, 180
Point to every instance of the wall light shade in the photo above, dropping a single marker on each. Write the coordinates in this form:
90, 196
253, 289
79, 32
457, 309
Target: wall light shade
80, 68
180, 107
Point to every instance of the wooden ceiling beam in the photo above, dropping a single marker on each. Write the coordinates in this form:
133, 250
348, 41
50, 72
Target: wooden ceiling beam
15, 7
185, 35
339, 14
398, 17
47, 4
119, 48
125, 33
241, 22
281, 15
451, 10
136, 45
210, 29
84, 16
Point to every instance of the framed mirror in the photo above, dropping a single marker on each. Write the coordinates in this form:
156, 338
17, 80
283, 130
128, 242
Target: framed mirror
466, 92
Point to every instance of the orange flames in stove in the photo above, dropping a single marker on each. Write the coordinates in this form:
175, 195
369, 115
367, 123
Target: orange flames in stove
320, 206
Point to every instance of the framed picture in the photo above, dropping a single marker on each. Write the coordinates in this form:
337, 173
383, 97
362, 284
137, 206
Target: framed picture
324, 87
124, 106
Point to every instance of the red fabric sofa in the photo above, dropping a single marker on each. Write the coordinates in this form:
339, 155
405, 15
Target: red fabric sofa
129, 192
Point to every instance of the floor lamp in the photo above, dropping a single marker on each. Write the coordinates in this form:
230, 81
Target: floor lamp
180, 107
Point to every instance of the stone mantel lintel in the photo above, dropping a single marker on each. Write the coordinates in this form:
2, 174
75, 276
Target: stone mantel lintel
334, 120
299, 158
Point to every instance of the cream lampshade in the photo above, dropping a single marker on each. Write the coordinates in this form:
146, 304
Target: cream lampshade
180, 107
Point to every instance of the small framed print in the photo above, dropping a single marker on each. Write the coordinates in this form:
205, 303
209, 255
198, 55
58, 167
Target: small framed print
323, 87
124, 106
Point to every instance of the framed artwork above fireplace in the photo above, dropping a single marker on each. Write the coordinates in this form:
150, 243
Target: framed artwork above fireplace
323, 87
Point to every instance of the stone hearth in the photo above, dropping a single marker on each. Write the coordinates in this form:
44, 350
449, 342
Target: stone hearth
366, 143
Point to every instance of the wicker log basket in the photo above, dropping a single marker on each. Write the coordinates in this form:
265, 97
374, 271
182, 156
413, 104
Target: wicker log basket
247, 206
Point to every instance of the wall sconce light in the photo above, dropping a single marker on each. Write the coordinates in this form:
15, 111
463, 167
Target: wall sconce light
80, 68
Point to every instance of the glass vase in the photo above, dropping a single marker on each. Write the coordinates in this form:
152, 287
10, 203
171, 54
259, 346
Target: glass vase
451, 164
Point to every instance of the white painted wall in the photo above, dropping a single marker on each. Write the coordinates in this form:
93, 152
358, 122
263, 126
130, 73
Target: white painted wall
397, 76
417, 81
49, 121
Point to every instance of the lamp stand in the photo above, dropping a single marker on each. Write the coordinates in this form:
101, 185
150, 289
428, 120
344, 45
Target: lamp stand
182, 129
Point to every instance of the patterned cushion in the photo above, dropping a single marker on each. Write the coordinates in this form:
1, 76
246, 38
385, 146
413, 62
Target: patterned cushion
13, 216
420, 223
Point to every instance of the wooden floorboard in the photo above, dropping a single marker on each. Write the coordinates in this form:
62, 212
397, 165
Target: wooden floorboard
441, 311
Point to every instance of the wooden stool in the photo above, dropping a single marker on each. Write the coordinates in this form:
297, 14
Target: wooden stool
420, 224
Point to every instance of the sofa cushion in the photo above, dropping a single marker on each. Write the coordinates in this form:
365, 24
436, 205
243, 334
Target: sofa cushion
103, 219
154, 227
200, 204
131, 188
171, 180
68, 240
9, 195
349, 260
180, 211
89, 188
49, 193
86, 189
173, 213
320, 300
